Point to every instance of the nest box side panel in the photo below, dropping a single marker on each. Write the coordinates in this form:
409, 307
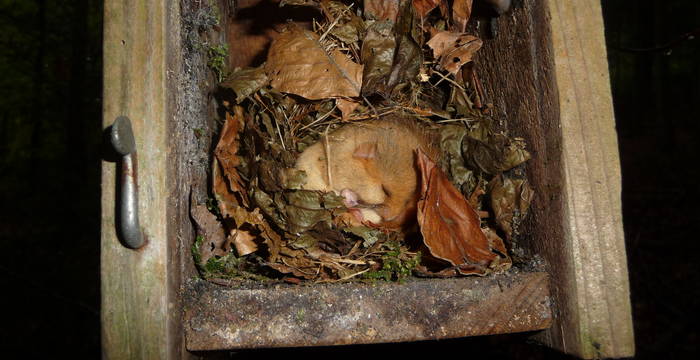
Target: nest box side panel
546, 73
599, 324
137, 299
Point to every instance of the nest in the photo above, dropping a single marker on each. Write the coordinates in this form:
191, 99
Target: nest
411, 60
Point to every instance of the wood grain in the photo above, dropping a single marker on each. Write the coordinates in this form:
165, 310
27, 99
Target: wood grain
289, 316
602, 325
548, 80
136, 306
546, 74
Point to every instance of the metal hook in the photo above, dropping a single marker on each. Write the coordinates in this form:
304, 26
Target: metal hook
122, 138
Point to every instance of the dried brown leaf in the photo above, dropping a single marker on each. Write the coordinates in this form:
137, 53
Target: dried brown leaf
461, 11
298, 64
242, 216
348, 26
225, 198
245, 82
450, 226
346, 107
298, 263
493, 154
210, 231
243, 241
286, 269
423, 7
378, 48
510, 201
498, 245
454, 49
381, 9
226, 153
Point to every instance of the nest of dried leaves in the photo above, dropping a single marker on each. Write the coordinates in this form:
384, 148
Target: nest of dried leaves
357, 63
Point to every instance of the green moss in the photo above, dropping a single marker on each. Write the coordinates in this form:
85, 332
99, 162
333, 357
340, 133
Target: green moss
217, 60
199, 132
397, 264
196, 255
300, 315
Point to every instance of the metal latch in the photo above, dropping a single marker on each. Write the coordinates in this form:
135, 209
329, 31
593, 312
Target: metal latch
122, 138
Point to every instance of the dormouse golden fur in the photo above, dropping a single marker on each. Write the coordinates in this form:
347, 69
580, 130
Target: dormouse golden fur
372, 164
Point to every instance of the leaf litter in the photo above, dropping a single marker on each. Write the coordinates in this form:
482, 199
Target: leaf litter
356, 65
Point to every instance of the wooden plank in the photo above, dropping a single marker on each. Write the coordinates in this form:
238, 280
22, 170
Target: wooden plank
595, 315
191, 125
517, 72
136, 308
228, 318
547, 77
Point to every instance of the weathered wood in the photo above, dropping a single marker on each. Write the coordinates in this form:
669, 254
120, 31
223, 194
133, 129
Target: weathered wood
535, 74
225, 318
548, 80
137, 293
599, 322
191, 125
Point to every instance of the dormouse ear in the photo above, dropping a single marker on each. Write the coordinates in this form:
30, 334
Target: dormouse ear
365, 151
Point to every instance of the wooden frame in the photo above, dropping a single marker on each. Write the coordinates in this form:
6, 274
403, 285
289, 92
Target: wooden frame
595, 314
142, 305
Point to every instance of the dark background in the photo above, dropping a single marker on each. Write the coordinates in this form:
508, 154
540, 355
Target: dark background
50, 136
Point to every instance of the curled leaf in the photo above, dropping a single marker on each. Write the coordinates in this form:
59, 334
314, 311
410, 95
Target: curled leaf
450, 226
451, 137
378, 49
369, 236
298, 64
407, 62
510, 201
225, 198
298, 263
226, 153
244, 218
243, 241
381, 9
349, 27
245, 82
495, 154
461, 11
423, 7
304, 241
454, 49
210, 234
346, 107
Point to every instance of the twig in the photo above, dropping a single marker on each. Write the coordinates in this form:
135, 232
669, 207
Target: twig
455, 120
479, 98
447, 79
330, 27
353, 275
320, 119
349, 261
335, 21
374, 110
277, 125
328, 157
372, 116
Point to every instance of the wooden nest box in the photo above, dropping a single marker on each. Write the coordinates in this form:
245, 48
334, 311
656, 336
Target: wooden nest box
547, 73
